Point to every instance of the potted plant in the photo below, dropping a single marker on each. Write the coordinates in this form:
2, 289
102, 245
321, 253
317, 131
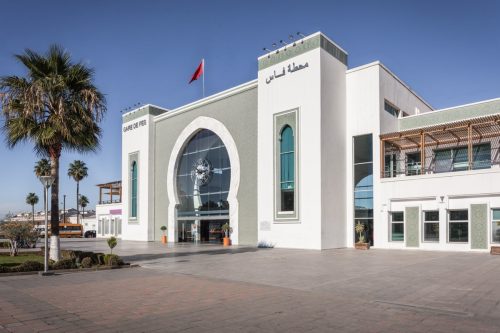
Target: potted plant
227, 232
164, 237
361, 244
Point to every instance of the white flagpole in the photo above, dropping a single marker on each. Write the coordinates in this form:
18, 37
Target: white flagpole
203, 67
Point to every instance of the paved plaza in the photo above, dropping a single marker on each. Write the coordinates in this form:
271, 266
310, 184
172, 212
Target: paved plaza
212, 289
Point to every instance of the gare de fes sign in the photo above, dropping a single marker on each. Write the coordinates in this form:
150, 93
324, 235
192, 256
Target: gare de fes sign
135, 125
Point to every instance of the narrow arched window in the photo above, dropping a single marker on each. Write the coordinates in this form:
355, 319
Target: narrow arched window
133, 203
287, 169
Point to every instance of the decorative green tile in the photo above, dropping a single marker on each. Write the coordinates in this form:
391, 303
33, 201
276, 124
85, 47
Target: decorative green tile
300, 47
411, 226
479, 226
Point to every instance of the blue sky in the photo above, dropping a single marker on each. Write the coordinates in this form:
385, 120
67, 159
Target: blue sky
146, 51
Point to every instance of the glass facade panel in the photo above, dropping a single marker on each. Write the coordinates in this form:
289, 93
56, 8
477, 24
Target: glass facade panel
391, 109
397, 232
459, 232
456, 159
287, 169
413, 165
459, 215
481, 156
495, 226
203, 176
431, 226
363, 185
458, 226
431, 232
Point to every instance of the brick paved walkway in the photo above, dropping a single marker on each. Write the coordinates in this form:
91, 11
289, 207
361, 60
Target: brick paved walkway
265, 291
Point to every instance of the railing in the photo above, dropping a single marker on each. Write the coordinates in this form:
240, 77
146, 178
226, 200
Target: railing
401, 167
107, 202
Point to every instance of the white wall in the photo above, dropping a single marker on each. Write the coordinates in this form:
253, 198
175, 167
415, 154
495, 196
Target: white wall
363, 117
458, 190
367, 87
333, 152
302, 90
139, 140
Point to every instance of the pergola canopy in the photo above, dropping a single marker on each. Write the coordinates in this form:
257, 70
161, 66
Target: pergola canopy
456, 132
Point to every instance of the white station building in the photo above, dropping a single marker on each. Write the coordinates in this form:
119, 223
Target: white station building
299, 156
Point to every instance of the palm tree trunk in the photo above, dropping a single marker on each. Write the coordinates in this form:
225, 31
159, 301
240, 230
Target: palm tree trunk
77, 202
33, 213
55, 253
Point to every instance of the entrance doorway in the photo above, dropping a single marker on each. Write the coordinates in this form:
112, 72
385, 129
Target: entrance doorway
203, 231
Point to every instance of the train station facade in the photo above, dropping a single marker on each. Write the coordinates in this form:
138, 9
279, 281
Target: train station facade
308, 150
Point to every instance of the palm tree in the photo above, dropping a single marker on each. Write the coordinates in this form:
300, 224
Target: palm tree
84, 201
55, 107
77, 170
32, 199
42, 167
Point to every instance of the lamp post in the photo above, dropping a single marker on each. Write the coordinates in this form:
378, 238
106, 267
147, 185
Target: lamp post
46, 182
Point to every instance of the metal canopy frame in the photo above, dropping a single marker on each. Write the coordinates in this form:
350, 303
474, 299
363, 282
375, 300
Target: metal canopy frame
112, 188
460, 132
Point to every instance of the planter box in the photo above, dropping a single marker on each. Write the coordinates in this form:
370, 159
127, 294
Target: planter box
362, 246
495, 250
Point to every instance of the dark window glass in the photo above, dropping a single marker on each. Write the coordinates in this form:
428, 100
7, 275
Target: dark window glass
287, 200
481, 156
397, 232
363, 149
391, 109
459, 215
368, 231
431, 232
397, 217
431, 216
459, 232
495, 227
363, 185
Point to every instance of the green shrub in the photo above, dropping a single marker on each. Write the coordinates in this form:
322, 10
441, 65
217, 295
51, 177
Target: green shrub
112, 242
4, 245
93, 256
64, 264
100, 259
28, 266
70, 254
113, 260
87, 262
4, 269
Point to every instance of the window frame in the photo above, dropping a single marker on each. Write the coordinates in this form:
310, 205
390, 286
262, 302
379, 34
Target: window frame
493, 220
392, 222
395, 111
425, 221
449, 222
291, 118
283, 154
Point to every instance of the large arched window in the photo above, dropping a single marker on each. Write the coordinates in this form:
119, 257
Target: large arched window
133, 202
203, 176
287, 169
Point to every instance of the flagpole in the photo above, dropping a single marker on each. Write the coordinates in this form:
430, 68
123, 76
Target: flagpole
203, 66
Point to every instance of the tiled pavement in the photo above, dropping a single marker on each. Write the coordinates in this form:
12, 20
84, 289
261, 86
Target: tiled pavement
248, 290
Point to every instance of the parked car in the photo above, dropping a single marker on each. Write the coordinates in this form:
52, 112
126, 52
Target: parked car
90, 234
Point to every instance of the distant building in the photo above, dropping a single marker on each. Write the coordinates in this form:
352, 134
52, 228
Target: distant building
109, 210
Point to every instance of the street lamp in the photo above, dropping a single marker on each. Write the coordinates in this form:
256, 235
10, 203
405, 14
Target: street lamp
46, 182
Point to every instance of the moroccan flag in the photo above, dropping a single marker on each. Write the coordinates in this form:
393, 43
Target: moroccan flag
198, 72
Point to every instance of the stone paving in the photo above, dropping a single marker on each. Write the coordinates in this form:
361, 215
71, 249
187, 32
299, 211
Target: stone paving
211, 289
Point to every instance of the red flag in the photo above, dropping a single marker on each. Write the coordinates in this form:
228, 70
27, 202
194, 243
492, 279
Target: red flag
198, 71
